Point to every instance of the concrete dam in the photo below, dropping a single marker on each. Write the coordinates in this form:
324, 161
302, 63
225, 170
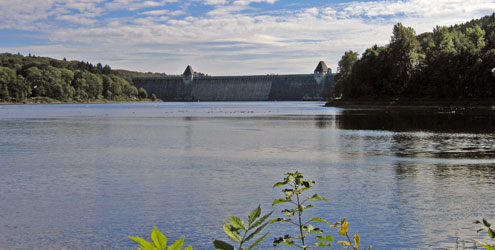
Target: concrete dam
196, 87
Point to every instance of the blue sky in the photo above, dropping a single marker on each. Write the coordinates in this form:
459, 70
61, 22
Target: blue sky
219, 37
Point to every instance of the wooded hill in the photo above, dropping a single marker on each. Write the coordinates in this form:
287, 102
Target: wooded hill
453, 62
30, 77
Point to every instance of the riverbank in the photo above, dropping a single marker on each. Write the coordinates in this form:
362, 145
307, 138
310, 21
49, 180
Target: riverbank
46, 100
412, 103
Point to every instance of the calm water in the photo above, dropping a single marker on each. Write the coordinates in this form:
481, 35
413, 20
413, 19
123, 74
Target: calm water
87, 176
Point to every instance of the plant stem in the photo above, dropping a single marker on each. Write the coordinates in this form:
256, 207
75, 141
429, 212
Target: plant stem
243, 238
349, 239
299, 213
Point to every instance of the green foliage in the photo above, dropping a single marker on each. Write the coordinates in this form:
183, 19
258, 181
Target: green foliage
295, 185
142, 93
405, 58
491, 233
450, 62
241, 232
346, 63
39, 78
158, 242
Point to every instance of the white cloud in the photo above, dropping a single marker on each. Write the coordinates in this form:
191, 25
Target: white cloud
248, 2
215, 2
163, 12
136, 4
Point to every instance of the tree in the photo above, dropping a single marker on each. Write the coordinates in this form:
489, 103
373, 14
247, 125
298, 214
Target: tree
405, 57
7, 78
142, 93
345, 69
34, 76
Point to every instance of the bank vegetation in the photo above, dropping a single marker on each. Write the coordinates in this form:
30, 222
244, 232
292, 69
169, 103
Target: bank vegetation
451, 64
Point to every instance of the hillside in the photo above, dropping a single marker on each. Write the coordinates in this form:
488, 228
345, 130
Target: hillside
453, 62
32, 79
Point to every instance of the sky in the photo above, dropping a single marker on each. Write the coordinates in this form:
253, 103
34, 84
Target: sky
217, 37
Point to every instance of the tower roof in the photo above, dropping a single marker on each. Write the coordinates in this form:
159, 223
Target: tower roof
189, 71
322, 67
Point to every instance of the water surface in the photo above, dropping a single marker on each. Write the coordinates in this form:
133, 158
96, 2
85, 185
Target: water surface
85, 176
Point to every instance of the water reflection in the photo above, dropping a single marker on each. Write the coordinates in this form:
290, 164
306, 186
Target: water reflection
427, 120
86, 176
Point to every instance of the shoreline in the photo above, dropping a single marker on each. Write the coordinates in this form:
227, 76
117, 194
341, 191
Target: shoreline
413, 103
31, 102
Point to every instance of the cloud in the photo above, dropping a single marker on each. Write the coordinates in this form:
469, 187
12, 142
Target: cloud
215, 2
228, 36
136, 4
163, 12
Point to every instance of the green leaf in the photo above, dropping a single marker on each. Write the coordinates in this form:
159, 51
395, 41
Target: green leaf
257, 242
310, 229
256, 231
255, 214
158, 239
237, 222
188, 248
281, 200
325, 238
291, 178
486, 223
261, 220
145, 245
491, 233
486, 246
320, 220
177, 245
302, 208
288, 212
222, 245
288, 193
286, 240
231, 232
323, 244
316, 197
280, 220
280, 183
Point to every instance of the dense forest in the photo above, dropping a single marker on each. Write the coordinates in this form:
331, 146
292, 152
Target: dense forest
42, 79
454, 62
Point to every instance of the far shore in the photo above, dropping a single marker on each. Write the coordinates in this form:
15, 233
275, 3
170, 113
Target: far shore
412, 103
54, 101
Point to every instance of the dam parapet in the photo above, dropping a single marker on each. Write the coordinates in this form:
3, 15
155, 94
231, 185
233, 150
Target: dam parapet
195, 87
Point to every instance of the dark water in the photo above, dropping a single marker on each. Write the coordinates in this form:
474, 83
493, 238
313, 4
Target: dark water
87, 176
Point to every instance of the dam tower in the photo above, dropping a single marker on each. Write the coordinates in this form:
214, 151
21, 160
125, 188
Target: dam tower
321, 72
188, 75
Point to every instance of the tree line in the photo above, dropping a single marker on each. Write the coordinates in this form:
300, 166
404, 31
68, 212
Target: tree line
455, 62
25, 77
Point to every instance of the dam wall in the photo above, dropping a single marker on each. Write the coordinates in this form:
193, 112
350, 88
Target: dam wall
192, 87
165, 88
224, 88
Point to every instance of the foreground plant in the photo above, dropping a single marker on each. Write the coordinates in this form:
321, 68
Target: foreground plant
296, 185
237, 230
343, 226
491, 232
159, 242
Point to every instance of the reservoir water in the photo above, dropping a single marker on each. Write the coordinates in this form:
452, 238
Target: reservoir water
86, 176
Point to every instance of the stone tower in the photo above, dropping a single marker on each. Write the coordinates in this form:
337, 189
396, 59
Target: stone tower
188, 75
321, 71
